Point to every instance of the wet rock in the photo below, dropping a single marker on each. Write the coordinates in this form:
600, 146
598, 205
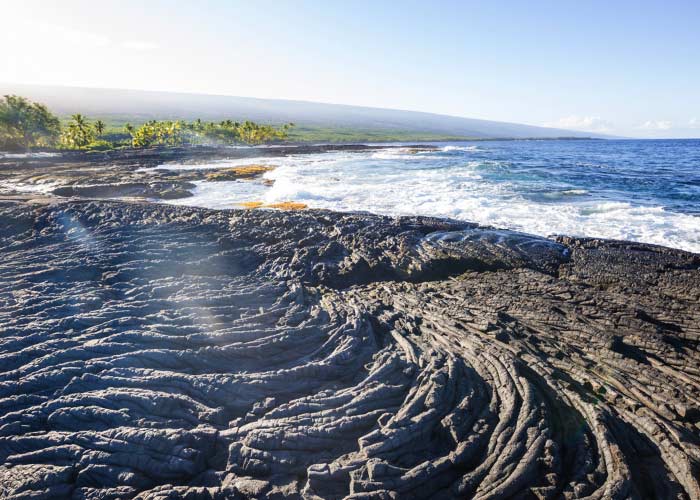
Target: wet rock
245, 172
163, 190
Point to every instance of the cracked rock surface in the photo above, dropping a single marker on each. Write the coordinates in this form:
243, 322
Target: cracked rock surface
160, 352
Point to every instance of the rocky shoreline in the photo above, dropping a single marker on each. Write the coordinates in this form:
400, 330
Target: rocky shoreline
153, 351
131, 173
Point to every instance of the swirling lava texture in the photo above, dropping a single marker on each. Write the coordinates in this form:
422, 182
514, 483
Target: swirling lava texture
150, 351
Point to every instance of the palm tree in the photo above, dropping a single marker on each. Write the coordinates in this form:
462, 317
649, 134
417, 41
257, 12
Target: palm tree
82, 127
79, 120
99, 127
78, 134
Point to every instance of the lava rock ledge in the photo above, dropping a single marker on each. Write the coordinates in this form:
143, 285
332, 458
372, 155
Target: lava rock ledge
152, 352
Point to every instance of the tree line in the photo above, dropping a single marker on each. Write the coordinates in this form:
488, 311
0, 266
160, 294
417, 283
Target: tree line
25, 124
176, 133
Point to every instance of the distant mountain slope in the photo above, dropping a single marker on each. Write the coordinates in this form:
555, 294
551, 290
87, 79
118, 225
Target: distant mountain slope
131, 104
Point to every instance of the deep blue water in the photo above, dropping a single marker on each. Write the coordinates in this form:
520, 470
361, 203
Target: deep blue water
641, 172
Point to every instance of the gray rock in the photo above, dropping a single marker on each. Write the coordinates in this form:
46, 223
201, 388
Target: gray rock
152, 351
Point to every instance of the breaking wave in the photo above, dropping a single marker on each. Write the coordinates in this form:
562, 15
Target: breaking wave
542, 193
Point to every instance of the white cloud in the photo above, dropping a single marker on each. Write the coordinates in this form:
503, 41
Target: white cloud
656, 125
694, 123
139, 45
587, 123
62, 34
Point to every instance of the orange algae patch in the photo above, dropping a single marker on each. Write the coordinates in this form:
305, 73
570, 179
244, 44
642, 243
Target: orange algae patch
288, 205
285, 205
251, 204
252, 170
242, 172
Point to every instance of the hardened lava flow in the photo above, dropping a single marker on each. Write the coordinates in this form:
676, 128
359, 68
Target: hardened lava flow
151, 351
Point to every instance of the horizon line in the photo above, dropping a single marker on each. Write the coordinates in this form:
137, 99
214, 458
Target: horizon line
600, 135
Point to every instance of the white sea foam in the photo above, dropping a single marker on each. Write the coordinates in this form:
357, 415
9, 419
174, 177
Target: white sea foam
223, 194
461, 148
28, 155
365, 182
40, 187
399, 154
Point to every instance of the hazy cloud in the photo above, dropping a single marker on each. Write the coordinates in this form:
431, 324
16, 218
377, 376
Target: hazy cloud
588, 123
62, 35
139, 45
59, 33
694, 123
656, 125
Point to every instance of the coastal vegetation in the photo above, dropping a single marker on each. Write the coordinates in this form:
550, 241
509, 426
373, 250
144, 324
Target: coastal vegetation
77, 134
177, 133
25, 124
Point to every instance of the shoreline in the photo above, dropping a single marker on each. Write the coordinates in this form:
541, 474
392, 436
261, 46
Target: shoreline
130, 175
54, 200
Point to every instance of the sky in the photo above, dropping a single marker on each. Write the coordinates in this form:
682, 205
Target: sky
626, 68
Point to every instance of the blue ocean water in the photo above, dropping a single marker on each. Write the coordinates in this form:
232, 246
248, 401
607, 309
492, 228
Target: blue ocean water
640, 190
643, 172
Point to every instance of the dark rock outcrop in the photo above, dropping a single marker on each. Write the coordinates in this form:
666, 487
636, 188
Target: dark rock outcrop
151, 351
162, 190
245, 172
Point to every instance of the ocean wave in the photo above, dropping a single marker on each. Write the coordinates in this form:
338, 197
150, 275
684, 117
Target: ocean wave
563, 194
486, 192
461, 148
394, 155
605, 207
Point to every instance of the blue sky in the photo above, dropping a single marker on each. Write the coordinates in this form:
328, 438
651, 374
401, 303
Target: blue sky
625, 68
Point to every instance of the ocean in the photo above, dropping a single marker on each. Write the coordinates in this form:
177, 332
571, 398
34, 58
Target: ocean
640, 190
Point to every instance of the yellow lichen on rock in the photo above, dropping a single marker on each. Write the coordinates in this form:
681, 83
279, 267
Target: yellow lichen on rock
244, 172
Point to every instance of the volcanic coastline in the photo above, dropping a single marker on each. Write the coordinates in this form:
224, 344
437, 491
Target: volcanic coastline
156, 351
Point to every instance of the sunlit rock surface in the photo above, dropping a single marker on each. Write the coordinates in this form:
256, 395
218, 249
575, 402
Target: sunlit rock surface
154, 352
